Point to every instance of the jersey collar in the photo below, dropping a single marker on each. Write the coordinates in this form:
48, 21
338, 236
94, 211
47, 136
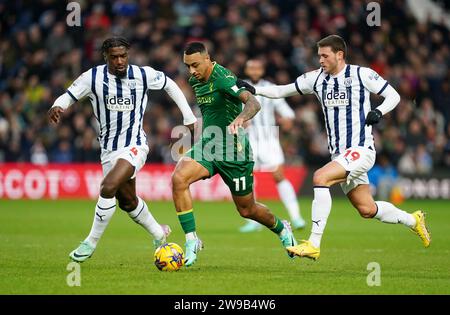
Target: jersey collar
340, 72
212, 71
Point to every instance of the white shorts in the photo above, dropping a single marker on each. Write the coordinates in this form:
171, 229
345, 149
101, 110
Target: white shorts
135, 155
357, 161
267, 154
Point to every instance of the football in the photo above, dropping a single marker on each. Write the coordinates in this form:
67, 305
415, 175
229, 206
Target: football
169, 257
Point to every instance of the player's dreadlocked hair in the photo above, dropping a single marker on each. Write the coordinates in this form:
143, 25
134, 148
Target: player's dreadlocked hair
114, 42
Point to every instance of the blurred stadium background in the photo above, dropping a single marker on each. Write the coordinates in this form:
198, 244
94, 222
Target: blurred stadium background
40, 55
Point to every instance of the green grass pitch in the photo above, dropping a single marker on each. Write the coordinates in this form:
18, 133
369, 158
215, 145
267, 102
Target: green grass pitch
37, 236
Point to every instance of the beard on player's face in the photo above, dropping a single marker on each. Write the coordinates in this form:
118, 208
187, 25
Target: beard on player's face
119, 68
117, 60
331, 65
254, 73
202, 71
254, 78
121, 73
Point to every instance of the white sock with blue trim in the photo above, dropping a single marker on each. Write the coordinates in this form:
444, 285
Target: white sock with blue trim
141, 215
388, 213
321, 208
104, 211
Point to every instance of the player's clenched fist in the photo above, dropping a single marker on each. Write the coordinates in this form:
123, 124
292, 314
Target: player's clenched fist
373, 117
54, 114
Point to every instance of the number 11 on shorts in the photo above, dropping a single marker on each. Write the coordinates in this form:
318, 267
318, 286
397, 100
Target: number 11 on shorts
236, 183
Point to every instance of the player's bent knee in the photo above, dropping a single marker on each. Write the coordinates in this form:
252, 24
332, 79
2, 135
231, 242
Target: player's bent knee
179, 181
108, 189
366, 212
320, 178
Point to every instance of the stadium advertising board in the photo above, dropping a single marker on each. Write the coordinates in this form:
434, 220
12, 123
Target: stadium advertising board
82, 181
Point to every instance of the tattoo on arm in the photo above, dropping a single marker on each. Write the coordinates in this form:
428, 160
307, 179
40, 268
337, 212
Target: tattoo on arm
251, 106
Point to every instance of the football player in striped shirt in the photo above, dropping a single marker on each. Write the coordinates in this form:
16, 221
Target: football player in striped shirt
264, 139
117, 91
343, 91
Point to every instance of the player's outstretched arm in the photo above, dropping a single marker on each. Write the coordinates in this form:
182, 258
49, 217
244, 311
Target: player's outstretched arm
61, 103
277, 91
178, 97
273, 91
79, 89
251, 107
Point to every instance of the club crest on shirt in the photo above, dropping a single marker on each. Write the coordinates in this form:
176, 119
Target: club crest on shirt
348, 82
374, 76
132, 84
158, 76
239, 146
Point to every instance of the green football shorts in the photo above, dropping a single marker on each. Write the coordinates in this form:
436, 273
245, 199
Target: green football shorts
237, 175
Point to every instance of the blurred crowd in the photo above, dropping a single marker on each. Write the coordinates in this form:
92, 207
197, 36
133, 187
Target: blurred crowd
40, 55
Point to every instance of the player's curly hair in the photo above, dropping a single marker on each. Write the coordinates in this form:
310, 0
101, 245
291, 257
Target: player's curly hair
114, 42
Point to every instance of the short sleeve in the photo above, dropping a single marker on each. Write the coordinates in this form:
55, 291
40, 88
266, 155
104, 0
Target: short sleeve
305, 83
81, 86
228, 85
372, 81
156, 80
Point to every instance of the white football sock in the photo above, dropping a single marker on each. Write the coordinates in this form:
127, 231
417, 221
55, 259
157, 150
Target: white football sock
289, 199
321, 207
388, 213
141, 215
191, 236
104, 211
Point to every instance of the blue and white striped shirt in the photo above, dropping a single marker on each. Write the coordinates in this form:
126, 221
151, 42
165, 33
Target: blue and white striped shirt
345, 100
118, 103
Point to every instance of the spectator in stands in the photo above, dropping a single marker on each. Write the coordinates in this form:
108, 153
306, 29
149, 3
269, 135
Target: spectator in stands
413, 56
383, 177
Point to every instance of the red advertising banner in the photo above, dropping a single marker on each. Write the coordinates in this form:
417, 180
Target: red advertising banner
82, 181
